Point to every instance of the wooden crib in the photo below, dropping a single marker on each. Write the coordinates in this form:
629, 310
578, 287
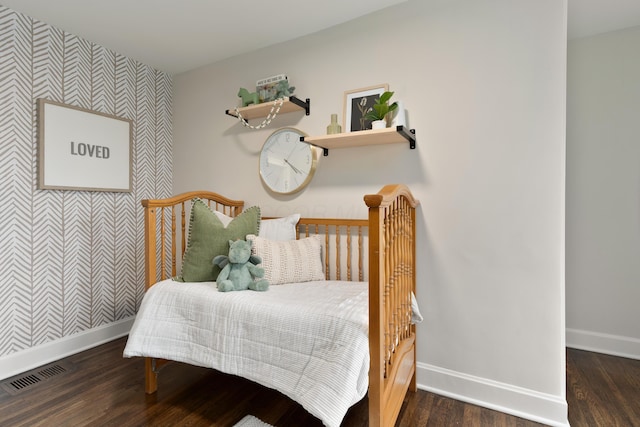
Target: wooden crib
380, 250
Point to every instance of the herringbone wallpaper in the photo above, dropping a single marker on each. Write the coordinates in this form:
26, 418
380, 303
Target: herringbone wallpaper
72, 260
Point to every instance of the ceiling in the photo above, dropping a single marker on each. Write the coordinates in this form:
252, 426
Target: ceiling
176, 36
180, 35
590, 17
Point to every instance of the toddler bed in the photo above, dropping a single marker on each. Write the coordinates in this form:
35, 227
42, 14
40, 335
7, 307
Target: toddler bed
336, 321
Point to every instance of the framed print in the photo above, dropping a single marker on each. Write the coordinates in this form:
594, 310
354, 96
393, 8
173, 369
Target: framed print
356, 105
80, 149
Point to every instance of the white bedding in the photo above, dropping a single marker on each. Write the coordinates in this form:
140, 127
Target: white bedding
306, 340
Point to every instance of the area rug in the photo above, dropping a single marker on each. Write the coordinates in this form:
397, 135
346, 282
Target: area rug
251, 421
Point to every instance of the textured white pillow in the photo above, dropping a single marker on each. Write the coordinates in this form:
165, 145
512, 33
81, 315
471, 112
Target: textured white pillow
273, 229
291, 261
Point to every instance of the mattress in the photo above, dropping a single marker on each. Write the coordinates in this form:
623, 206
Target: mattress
307, 340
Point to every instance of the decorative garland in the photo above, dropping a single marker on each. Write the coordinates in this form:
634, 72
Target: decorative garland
272, 115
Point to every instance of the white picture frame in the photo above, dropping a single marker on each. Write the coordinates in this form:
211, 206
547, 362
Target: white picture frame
80, 149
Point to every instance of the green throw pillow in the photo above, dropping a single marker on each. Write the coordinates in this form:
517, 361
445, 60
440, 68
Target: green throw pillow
208, 237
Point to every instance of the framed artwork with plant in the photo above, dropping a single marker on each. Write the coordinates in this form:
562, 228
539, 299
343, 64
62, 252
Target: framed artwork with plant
358, 103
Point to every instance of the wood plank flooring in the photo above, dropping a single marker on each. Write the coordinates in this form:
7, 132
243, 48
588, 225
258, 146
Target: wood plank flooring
103, 389
602, 390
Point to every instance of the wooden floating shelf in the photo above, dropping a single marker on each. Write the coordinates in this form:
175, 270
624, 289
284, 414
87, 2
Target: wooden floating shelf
262, 110
394, 135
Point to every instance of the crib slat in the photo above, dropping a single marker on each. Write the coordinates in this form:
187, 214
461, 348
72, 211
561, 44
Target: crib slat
348, 236
173, 241
150, 246
162, 246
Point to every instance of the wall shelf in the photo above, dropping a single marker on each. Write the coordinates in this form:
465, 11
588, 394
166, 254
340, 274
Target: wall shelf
262, 110
394, 135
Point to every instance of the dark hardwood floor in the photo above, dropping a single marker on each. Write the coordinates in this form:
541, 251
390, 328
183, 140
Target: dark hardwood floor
602, 390
100, 388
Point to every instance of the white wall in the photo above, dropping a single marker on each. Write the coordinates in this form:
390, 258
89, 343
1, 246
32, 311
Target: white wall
603, 193
484, 83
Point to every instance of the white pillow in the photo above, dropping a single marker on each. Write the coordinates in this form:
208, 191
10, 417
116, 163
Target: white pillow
224, 219
290, 261
273, 229
416, 316
279, 228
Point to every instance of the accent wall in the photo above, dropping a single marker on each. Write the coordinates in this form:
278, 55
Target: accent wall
72, 261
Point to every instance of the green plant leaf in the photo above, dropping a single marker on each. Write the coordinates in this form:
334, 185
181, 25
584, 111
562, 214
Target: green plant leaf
385, 97
381, 107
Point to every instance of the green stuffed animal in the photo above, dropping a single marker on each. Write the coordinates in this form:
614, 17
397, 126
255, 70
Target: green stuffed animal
239, 269
283, 90
248, 97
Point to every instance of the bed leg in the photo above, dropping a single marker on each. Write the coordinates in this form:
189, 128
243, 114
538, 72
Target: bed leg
150, 376
413, 384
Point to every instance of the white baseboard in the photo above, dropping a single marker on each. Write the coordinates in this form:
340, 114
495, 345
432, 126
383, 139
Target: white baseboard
532, 405
614, 345
25, 360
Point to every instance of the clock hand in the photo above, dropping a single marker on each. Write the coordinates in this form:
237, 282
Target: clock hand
274, 161
291, 152
295, 169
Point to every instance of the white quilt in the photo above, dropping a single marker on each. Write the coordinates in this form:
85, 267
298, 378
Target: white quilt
306, 340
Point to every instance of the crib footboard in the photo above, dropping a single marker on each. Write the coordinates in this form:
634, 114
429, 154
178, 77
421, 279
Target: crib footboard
392, 279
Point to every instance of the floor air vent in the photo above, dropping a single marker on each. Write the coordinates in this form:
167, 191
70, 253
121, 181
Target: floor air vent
28, 380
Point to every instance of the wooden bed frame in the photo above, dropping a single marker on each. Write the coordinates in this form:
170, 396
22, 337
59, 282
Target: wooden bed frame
390, 232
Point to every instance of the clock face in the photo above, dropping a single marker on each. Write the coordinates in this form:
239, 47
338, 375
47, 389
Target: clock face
286, 163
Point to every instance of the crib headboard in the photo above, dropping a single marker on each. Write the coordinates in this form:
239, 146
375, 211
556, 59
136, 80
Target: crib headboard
166, 230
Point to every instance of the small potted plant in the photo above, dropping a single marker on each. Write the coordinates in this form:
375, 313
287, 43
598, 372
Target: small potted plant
380, 110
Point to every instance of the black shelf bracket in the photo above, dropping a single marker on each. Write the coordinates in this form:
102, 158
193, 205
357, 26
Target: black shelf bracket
302, 104
408, 134
325, 151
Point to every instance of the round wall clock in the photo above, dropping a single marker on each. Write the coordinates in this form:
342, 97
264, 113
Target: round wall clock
286, 163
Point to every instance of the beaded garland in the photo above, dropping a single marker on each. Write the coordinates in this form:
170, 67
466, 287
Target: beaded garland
275, 109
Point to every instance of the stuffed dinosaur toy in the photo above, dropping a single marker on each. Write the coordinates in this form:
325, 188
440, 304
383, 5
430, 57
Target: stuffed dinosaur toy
239, 269
283, 90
